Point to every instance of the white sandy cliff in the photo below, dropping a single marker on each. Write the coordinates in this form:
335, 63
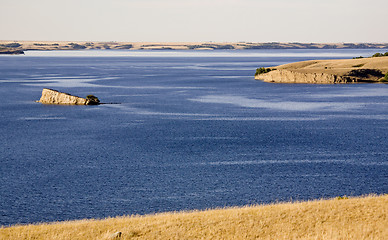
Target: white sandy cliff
50, 96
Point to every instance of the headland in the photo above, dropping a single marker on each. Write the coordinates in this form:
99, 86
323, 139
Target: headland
358, 70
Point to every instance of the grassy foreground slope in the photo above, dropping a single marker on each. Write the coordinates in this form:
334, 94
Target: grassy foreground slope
353, 218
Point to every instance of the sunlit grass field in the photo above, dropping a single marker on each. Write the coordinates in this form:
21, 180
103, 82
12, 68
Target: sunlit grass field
339, 218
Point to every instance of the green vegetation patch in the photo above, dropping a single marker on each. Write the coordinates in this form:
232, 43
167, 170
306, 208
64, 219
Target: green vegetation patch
385, 79
374, 55
380, 54
342, 197
92, 100
262, 70
77, 46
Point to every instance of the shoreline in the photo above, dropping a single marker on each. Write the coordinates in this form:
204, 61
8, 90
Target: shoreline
18, 47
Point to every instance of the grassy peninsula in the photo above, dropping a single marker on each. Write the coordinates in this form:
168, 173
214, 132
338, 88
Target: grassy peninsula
339, 218
356, 70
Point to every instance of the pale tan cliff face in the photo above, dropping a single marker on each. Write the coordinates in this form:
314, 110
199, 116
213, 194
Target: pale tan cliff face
50, 96
287, 76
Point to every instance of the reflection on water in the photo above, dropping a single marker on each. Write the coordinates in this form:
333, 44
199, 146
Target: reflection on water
278, 105
356, 93
192, 130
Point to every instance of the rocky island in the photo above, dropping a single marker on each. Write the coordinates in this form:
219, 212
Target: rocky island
357, 70
50, 96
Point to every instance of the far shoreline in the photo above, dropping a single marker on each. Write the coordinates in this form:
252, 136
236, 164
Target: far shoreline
19, 47
304, 53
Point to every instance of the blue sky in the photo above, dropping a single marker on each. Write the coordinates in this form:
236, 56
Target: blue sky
195, 20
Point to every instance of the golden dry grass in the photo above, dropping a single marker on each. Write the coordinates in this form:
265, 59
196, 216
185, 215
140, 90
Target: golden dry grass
340, 66
353, 218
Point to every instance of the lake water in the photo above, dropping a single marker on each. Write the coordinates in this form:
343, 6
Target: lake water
190, 130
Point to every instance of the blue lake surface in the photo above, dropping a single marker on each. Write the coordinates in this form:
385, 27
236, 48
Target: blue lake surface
191, 130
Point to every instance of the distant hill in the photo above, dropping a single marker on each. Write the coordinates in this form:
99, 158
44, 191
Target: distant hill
17, 47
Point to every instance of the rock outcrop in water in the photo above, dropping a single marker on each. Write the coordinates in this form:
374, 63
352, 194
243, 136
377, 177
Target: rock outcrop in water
328, 71
50, 96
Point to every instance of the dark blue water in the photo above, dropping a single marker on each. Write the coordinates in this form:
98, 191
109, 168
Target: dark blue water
193, 130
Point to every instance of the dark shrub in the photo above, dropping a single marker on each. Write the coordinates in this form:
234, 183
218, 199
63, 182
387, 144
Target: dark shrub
93, 100
262, 70
377, 55
12, 45
77, 46
385, 79
224, 46
125, 46
366, 73
327, 46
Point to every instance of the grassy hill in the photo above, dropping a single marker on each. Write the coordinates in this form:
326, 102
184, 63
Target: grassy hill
371, 69
341, 66
341, 218
8, 47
